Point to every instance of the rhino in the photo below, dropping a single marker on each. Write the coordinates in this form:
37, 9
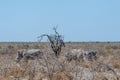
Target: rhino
29, 54
81, 55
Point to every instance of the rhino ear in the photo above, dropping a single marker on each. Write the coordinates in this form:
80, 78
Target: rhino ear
20, 53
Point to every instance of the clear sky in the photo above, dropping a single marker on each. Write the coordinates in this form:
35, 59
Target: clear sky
77, 20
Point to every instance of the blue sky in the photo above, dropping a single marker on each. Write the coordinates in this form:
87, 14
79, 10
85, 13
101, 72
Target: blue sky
77, 20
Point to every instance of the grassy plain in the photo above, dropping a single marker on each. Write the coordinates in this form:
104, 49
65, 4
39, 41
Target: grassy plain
107, 67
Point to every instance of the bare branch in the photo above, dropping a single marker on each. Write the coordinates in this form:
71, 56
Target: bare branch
56, 41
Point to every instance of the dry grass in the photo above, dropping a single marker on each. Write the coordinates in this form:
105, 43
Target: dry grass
60, 69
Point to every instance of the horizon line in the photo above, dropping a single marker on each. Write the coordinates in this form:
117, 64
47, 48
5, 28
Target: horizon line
65, 42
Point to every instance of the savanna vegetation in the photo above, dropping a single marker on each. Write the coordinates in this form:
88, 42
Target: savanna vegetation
55, 66
59, 68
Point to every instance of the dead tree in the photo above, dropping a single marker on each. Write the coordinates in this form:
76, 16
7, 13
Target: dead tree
56, 42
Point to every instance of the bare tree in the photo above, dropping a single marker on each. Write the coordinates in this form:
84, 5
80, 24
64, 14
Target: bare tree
56, 41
